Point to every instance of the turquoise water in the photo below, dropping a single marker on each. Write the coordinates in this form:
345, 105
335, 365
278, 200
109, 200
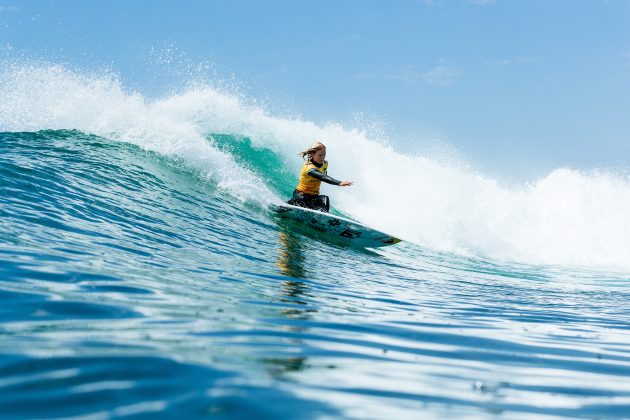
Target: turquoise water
143, 276
135, 282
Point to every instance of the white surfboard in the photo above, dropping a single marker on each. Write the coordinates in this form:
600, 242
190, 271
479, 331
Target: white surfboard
341, 228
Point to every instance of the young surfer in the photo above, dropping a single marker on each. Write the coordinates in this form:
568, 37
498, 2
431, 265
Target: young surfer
313, 172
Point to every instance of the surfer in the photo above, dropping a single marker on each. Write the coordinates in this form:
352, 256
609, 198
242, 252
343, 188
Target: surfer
313, 172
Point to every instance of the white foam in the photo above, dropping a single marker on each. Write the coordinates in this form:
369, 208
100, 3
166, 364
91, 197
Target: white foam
567, 217
37, 97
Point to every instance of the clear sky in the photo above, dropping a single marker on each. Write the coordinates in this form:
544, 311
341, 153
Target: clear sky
517, 87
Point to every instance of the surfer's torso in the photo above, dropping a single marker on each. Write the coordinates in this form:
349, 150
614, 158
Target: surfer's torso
308, 183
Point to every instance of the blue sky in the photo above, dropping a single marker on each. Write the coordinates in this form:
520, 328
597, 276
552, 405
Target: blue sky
517, 87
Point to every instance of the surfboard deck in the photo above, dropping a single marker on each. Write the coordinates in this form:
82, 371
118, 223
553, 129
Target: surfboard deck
341, 228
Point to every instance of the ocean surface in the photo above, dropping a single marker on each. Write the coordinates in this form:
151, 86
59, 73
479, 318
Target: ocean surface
142, 276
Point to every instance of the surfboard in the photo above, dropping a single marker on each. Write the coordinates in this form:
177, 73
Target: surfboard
341, 228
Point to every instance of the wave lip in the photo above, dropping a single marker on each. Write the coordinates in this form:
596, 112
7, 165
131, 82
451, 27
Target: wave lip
568, 217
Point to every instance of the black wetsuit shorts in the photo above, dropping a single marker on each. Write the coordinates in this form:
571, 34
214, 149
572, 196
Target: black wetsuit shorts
314, 202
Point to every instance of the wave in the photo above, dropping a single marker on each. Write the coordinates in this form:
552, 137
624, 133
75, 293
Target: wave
567, 217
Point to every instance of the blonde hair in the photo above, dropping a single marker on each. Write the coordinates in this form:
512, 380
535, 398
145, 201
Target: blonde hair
311, 150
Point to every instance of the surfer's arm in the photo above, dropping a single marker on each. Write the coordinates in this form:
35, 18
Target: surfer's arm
323, 177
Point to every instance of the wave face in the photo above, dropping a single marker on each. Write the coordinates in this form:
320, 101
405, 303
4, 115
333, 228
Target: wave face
566, 218
140, 274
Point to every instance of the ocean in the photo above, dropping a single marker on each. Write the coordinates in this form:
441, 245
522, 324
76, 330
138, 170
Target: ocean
142, 274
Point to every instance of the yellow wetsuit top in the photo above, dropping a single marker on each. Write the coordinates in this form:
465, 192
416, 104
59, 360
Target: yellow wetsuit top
310, 184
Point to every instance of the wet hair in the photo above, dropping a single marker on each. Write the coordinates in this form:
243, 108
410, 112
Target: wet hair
311, 150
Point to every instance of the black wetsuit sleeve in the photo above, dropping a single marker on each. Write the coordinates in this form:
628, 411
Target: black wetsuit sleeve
323, 177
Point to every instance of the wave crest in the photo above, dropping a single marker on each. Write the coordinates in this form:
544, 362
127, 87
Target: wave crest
568, 217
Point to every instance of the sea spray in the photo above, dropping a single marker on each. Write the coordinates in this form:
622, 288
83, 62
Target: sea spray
53, 97
567, 217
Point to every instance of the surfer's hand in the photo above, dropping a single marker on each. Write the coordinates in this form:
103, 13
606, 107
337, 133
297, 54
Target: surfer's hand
346, 183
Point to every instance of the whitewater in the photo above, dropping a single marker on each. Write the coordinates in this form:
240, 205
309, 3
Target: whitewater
568, 217
142, 273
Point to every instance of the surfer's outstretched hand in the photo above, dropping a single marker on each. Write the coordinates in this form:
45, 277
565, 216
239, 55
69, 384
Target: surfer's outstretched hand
346, 183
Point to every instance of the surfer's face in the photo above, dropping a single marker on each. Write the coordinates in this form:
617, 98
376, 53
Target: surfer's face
319, 156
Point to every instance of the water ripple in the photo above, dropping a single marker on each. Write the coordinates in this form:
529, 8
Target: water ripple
131, 285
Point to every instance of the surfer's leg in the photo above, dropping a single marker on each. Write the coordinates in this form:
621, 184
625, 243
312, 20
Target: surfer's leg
313, 202
320, 203
325, 203
298, 199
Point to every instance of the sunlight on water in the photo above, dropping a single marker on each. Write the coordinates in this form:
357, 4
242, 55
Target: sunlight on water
568, 217
133, 284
